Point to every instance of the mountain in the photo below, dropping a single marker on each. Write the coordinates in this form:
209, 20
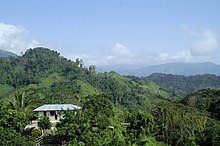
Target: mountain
185, 84
171, 68
120, 68
60, 80
4, 53
42, 76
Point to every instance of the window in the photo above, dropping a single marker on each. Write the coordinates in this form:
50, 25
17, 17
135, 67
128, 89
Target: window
52, 113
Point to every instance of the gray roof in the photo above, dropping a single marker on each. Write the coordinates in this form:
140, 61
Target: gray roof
57, 107
30, 126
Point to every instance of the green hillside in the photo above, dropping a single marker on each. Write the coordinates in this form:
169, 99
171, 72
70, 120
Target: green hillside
53, 74
5, 90
116, 110
205, 99
185, 84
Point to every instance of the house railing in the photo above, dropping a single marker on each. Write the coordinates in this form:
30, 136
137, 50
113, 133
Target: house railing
65, 143
40, 140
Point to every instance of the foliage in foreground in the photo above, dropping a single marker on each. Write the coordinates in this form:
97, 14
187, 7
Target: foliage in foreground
12, 123
167, 124
107, 100
95, 125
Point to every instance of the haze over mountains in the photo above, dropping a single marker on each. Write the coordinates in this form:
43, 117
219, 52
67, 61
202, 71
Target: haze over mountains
4, 53
43, 76
178, 68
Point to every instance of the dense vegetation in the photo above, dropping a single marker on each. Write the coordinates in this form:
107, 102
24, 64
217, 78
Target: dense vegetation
185, 84
205, 99
57, 79
116, 110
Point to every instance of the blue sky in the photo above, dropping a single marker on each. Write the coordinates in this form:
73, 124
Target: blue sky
109, 32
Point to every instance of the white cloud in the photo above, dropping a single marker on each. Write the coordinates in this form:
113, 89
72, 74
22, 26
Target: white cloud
12, 38
183, 56
206, 44
118, 54
120, 51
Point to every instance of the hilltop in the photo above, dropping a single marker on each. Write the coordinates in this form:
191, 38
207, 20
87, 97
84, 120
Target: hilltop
61, 80
153, 117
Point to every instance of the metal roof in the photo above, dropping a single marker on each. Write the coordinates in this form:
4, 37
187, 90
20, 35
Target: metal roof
56, 107
30, 126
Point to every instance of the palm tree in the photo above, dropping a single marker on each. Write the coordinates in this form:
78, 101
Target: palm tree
23, 100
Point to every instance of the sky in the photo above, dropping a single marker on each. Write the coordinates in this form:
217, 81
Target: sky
113, 32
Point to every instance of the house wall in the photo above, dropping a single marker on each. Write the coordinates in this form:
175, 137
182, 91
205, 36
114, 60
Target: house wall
40, 114
49, 114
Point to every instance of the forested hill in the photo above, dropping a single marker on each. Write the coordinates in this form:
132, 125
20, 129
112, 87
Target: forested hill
205, 99
116, 110
185, 84
32, 66
60, 80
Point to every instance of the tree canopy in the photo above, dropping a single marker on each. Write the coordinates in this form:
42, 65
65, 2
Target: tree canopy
116, 110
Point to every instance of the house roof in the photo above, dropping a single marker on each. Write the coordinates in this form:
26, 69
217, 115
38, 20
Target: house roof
30, 126
57, 107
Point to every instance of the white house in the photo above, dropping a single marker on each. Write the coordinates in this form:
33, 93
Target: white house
53, 110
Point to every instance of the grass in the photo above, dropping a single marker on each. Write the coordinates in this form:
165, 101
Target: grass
86, 88
5, 90
50, 80
154, 88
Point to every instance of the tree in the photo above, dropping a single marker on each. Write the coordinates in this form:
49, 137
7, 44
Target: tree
81, 63
178, 124
92, 69
77, 61
98, 109
211, 136
44, 123
87, 126
10, 137
73, 126
23, 100
141, 126
13, 119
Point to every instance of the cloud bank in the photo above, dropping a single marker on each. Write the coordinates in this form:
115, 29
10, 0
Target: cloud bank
117, 54
12, 38
202, 46
207, 44
120, 51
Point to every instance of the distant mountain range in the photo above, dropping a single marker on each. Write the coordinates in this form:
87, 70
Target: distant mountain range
178, 68
4, 53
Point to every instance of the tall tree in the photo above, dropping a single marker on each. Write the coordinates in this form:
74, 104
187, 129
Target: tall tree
23, 100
